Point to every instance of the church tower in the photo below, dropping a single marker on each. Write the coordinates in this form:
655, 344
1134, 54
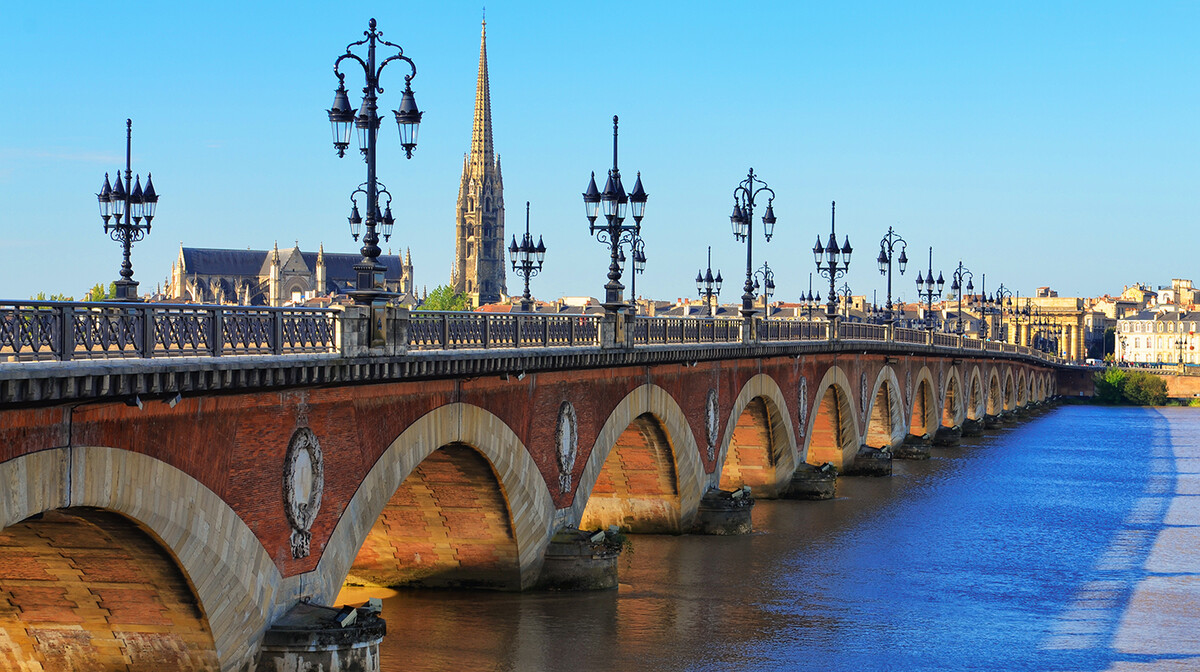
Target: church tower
479, 262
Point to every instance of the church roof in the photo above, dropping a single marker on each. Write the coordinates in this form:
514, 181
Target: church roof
339, 267
222, 262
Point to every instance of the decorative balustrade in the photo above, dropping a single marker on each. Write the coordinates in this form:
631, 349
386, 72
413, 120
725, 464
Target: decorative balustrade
52, 330
435, 330
48, 331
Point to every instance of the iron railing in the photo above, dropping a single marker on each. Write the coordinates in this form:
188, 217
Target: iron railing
59, 331
51, 330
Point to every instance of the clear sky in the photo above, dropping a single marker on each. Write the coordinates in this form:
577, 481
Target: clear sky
1042, 143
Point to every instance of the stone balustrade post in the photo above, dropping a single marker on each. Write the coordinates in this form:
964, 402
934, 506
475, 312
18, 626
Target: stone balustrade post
372, 331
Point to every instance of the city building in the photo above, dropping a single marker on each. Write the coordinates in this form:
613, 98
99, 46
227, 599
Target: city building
1163, 336
276, 277
480, 253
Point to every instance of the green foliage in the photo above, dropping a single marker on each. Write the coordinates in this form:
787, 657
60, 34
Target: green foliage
1194, 402
1145, 389
444, 298
41, 296
1110, 386
99, 292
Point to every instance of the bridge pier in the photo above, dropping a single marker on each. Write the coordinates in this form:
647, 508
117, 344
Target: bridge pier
972, 427
313, 637
725, 512
871, 462
948, 436
914, 447
991, 421
811, 482
581, 560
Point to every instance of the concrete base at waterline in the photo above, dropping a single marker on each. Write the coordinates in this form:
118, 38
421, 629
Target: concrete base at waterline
812, 483
991, 421
972, 427
948, 436
914, 448
580, 560
313, 637
725, 512
871, 462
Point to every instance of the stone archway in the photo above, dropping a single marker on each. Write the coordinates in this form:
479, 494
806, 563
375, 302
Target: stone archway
976, 405
995, 402
1009, 389
953, 409
885, 415
833, 428
758, 447
923, 415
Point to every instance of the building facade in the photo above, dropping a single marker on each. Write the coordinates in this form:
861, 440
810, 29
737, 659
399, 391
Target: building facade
479, 263
276, 277
1160, 336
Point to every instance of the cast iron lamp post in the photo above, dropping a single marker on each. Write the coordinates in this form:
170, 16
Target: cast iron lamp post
887, 247
127, 207
527, 259
369, 284
809, 300
742, 220
1003, 301
925, 290
961, 273
709, 287
836, 261
615, 204
844, 293
768, 287
637, 251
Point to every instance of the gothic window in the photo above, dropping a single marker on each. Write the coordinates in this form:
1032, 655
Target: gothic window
487, 205
470, 205
470, 249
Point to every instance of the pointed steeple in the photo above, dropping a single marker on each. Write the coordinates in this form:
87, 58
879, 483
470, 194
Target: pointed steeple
481, 133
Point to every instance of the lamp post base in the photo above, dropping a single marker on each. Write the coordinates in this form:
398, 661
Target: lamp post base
126, 290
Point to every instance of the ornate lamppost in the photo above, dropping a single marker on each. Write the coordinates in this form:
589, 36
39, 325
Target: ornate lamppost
1003, 301
369, 285
127, 206
925, 290
844, 294
887, 248
956, 285
615, 233
637, 250
742, 220
527, 259
768, 287
836, 261
809, 300
709, 287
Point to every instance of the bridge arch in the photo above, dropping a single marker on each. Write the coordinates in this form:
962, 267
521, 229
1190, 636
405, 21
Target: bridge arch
833, 434
995, 403
976, 401
758, 446
650, 416
237, 586
1010, 390
923, 415
1022, 388
468, 430
885, 414
953, 408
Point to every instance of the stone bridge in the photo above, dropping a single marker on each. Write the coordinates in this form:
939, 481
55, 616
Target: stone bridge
173, 508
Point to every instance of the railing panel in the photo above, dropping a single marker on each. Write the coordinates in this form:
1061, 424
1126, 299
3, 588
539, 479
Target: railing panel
859, 331
906, 335
945, 340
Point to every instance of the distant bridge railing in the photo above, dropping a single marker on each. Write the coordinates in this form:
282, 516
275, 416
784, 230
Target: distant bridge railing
50, 330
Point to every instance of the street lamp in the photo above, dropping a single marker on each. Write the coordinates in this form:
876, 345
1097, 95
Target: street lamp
527, 259
742, 220
369, 285
637, 250
615, 204
844, 293
127, 207
887, 247
709, 287
956, 285
768, 287
809, 300
836, 261
1003, 301
925, 290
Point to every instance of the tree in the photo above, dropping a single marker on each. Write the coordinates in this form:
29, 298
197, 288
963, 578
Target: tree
99, 292
1110, 385
41, 296
1145, 389
444, 298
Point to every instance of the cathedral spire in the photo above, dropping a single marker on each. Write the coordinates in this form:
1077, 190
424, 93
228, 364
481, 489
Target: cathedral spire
481, 133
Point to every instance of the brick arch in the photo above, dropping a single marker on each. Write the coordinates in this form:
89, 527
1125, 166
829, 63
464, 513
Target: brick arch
976, 405
758, 446
236, 583
668, 418
1010, 390
995, 403
885, 412
832, 422
953, 408
1022, 388
923, 409
523, 488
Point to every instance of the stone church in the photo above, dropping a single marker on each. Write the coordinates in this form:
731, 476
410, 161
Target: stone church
480, 254
276, 277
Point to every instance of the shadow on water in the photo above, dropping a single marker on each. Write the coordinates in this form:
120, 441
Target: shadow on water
961, 562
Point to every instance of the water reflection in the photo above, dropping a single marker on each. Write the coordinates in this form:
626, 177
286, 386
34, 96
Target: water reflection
968, 561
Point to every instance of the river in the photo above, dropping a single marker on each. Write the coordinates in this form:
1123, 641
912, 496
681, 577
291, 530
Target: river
1067, 542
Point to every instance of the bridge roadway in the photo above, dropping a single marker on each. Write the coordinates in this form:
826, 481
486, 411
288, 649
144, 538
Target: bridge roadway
311, 451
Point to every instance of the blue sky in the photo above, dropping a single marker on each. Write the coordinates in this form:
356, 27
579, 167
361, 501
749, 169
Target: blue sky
1042, 143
